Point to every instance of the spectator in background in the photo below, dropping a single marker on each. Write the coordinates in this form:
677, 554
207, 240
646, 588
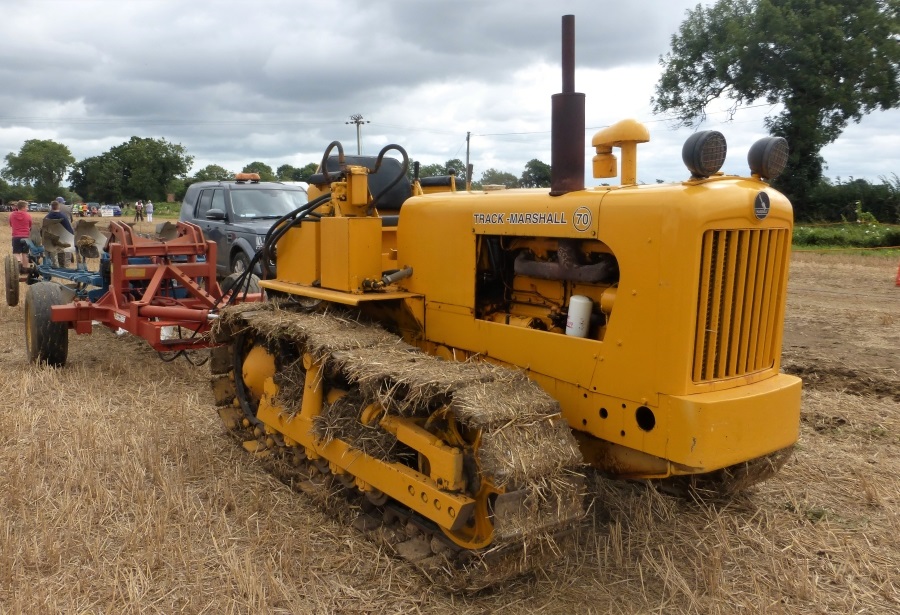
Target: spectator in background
57, 214
20, 221
138, 211
148, 208
65, 209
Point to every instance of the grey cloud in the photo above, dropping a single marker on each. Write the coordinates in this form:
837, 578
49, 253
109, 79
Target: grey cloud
276, 80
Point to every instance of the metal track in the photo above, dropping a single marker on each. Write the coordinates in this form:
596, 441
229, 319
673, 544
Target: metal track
542, 531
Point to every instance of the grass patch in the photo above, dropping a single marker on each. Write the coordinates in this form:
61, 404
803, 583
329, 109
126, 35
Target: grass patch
849, 235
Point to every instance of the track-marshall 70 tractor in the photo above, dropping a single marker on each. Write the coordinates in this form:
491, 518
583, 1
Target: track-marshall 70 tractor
453, 359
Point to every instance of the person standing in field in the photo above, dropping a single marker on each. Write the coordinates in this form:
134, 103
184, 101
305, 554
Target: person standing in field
138, 211
20, 221
56, 213
65, 209
148, 208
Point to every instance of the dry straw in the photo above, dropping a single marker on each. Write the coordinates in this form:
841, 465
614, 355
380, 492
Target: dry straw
121, 493
522, 444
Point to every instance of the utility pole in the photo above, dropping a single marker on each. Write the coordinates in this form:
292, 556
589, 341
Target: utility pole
357, 119
468, 166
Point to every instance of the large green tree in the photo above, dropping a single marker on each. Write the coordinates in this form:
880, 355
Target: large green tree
432, 170
306, 171
288, 173
213, 172
41, 164
141, 168
459, 169
99, 178
455, 165
14, 192
495, 177
826, 62
535, 175
149, 165
266, 173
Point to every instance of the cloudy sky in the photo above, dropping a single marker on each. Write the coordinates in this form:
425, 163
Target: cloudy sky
277, 80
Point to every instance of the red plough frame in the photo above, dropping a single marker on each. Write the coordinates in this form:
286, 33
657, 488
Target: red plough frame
172, 284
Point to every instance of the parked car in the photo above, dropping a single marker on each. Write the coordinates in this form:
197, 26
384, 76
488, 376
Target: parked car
237, 214
110, 210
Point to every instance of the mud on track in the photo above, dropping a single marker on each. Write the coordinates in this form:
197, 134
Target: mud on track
121, 493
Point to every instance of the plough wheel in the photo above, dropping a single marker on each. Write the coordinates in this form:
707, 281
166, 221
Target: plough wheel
11, 266
45, 341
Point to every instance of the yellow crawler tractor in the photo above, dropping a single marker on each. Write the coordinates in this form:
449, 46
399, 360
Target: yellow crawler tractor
446, 362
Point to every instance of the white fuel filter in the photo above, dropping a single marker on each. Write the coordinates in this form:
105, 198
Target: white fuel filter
578, 321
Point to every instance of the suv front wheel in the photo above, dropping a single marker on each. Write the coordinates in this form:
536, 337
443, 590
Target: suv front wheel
240, 262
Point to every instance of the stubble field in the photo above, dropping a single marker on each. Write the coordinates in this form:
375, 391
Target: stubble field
121, 493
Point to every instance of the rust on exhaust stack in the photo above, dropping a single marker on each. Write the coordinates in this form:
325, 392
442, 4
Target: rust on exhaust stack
567, 122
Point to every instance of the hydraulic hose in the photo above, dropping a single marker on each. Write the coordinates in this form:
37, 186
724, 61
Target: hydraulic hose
295, 217
275, 233
401, 175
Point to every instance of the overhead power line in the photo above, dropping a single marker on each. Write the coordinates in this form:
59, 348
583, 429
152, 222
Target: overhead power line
107, 121
161, 121
655, 121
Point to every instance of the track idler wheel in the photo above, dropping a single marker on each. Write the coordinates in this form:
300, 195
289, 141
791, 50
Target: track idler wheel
253, 364
478, 531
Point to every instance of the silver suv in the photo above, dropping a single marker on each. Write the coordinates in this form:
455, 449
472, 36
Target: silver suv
238, 214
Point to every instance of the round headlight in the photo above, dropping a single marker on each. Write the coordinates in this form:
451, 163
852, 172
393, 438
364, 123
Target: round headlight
704, 153
768, 157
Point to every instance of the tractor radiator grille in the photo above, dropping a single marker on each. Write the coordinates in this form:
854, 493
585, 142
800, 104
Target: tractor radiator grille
741, 276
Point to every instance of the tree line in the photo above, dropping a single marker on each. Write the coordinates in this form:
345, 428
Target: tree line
535, 175
145, 168
140, 168
824, 62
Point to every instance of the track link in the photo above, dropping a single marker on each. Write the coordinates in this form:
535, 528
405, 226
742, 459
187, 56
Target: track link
523, 446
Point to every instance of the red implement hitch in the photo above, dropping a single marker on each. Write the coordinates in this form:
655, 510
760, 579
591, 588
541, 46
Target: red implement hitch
156, 285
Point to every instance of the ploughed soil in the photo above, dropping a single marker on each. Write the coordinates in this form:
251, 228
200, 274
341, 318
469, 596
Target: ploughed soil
121, 493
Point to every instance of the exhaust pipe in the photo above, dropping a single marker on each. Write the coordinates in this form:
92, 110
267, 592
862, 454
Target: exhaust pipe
567, 122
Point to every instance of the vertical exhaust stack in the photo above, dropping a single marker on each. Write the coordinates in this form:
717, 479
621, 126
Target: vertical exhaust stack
567, 122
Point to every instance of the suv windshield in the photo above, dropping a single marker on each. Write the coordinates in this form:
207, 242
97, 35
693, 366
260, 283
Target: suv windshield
265, 203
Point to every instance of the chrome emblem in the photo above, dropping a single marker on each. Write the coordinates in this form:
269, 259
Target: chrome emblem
761, 205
